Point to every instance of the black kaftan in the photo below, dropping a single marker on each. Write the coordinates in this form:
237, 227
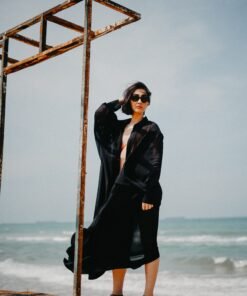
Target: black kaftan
121, 234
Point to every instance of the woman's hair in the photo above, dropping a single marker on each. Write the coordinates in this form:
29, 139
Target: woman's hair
126, 107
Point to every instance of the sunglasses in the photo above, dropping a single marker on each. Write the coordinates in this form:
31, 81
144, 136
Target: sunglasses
144, 98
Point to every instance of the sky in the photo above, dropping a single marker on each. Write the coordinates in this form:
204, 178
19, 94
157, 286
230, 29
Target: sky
192, 56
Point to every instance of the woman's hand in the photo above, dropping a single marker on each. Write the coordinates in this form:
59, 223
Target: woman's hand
121, 100
146, 206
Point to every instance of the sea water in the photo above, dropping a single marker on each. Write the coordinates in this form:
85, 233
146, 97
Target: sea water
198, 257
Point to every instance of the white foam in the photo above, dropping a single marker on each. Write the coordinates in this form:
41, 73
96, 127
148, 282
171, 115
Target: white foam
61, 239
228, 263
163, 239
220, 260
240, 263
168, 284
202, 239
45, 273
66, 232
36, 238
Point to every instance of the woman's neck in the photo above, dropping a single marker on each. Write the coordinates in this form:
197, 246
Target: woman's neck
136, 117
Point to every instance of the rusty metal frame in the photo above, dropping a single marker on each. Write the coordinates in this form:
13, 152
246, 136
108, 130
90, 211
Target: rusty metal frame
10, 65
48, 51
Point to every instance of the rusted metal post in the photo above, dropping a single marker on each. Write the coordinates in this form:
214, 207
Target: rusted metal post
82, 157
3, 89
43, 27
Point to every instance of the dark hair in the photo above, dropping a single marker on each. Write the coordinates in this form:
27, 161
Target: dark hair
126, 107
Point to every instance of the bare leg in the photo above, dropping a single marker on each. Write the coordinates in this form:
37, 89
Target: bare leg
151, 271
118, 280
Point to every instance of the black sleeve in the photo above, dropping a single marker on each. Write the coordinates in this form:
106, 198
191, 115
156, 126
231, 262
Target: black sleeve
155, 155
105, 120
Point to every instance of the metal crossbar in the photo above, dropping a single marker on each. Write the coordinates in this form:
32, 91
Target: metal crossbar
46, 51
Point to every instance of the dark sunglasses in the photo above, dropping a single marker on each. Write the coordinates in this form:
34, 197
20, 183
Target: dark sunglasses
144, 98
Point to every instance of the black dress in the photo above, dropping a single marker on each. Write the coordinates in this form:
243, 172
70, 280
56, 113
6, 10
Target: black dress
121, 234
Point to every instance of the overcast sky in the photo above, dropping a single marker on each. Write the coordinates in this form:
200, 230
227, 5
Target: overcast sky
190, 53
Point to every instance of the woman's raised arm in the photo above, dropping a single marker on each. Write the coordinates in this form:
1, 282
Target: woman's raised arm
105, 119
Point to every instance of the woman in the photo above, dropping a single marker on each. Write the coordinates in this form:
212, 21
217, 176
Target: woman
123, 233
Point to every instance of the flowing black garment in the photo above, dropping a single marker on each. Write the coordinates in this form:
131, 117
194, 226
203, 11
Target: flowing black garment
122, 235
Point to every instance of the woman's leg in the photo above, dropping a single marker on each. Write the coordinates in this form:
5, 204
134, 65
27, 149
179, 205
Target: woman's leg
151, 271
149, 229
118, 280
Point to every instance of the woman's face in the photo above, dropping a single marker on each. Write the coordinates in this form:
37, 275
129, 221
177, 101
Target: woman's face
139, 106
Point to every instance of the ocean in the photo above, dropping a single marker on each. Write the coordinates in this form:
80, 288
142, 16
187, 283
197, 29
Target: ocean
199, 257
